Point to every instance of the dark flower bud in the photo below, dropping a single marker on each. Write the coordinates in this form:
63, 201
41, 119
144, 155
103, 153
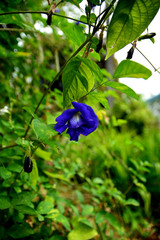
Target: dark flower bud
130, 53
50, 13
28, 165
147, 36
100, 44
49, 19
77, 23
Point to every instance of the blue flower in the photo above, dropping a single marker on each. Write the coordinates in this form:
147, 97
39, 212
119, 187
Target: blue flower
79, 120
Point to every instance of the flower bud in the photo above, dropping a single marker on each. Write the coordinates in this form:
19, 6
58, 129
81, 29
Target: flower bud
28, 165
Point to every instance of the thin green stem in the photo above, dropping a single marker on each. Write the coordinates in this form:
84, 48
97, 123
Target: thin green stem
10, 146
17, 30
24, 12
44, 12
103, 18
156, 69
93, 89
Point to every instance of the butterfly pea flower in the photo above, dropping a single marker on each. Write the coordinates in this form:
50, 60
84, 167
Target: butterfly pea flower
79, 120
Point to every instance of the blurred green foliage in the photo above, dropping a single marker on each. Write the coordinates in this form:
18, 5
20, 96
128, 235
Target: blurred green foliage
107, 185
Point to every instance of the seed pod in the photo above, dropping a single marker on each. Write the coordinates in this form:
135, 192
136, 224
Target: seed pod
100, 44
49, 19
130, 53
28, 165
147, 36
50, 12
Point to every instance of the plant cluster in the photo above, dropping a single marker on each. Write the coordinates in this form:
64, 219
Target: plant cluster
104, 183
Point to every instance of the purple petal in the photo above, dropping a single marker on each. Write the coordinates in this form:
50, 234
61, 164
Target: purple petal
62, 120
74, 134
88, 114
87, 129
60, 128
66, 116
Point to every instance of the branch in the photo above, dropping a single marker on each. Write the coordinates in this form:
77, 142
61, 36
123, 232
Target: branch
43, 12
10, 146
17, 30
103, 18
24, 12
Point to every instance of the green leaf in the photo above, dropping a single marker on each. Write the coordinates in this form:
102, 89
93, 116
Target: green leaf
82, 232
20, 231
44, 207
94, 68
4, 202
129, 20
25, 209
101, 216
23, 198
101, 98
56, 175
87, 210
83, 18
132, 201
40, 217
79, 196
43, 131
77, 80
4, 173
86, 222
63, 220
43, 154
34, 174
22, 142
30, 110
123, 88
15, 167
74, 33
131, 69
52, 214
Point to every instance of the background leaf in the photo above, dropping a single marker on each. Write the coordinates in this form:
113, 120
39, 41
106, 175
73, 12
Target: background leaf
131, 69
101, 98
43, 131
4, 202
16, 231
82, 232
122, 88
44, 207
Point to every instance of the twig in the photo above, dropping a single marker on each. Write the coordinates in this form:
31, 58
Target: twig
101, 21
156, 69
17, 30
24, 12
10, 146
43, 12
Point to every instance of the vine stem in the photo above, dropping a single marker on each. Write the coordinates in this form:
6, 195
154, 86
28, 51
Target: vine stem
148, 60
56, 77
43, 12
10, 146
18, 30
